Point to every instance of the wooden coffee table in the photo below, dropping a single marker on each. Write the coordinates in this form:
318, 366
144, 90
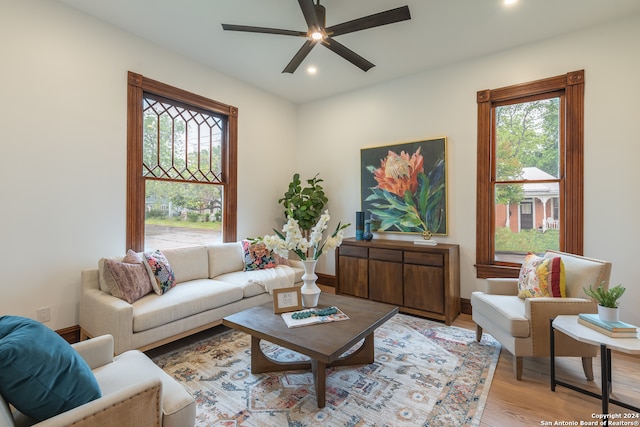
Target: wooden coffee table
322, 343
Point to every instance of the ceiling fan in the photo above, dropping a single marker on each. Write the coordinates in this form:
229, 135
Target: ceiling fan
318, 32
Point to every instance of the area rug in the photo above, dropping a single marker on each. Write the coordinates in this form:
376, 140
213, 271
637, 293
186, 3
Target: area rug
424, 374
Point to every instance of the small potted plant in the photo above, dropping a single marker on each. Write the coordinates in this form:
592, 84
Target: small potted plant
607, 301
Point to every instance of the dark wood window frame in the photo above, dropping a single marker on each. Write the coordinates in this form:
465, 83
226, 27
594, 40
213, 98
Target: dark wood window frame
137, 86
571, 88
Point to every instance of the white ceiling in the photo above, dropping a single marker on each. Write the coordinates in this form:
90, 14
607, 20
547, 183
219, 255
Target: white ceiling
440, 32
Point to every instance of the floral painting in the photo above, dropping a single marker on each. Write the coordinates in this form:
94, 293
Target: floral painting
404, 187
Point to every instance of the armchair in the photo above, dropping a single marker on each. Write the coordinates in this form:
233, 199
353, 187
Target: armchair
522, 325
135, 393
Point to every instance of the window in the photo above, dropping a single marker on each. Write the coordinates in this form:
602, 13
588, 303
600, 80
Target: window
530, 172
181, 167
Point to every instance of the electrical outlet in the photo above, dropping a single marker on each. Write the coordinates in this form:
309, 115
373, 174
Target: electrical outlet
44, 314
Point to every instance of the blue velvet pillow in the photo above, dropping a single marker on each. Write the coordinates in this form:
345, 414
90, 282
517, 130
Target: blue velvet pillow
40, 373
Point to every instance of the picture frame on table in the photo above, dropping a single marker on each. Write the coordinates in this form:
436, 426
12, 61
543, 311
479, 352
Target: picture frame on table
287, 299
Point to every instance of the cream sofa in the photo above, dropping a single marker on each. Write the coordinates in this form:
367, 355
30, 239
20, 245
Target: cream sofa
135, 393
211, 284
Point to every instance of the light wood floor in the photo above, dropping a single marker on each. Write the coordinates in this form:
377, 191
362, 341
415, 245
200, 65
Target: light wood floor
530, 402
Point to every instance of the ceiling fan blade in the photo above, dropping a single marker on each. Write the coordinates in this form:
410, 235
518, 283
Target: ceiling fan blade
309, 12
250, 29
299, 56
377, 19
347, 54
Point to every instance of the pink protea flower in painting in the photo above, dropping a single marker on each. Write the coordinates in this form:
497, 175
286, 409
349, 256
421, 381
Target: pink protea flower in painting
399, 173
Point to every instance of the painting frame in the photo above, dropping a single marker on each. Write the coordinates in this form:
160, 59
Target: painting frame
404, 188
287, 299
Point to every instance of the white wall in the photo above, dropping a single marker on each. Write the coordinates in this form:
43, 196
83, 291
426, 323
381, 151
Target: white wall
63, 113
442, 102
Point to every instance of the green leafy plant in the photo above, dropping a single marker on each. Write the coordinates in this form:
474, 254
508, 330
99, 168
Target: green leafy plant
304, 204
606, 298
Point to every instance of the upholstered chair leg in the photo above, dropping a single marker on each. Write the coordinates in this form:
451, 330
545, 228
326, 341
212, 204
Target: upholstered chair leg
517, 367
478, 333
587, 366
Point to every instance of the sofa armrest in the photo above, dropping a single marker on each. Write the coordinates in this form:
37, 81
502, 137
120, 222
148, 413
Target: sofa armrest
138, 405
6, 416
96, 351
102, 314
540, 310
500, 286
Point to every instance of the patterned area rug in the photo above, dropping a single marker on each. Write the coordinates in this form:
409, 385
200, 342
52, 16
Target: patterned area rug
424, 374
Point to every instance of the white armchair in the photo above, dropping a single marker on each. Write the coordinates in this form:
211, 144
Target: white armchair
135, 393
522, 325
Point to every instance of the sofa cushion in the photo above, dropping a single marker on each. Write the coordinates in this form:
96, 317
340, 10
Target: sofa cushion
505, 311
185, 299
188, 263
242, 279
40, 373
129, 282
160, 272
542, 277
259, 281
225, 258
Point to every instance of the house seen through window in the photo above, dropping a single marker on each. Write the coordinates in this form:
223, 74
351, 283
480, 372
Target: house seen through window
527, 184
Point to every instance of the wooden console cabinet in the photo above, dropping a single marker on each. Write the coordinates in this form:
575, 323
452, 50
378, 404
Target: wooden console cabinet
422, 280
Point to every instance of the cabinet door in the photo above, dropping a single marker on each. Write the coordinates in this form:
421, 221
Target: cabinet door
353, 278
424, 287
385, 281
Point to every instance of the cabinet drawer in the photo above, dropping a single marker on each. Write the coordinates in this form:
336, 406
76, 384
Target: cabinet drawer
354, 251
422, 258
385, 254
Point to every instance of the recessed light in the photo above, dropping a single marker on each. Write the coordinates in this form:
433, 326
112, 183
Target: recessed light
510, 2
312, 70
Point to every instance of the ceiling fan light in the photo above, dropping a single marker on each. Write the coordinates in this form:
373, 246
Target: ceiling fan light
317, 35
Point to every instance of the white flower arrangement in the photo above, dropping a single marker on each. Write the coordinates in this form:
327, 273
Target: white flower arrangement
291, 238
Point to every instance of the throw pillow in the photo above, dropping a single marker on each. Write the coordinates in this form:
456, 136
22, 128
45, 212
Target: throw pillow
542, 277
160, 272
106, 278
280, 260
40, 373
130, 281
257, 256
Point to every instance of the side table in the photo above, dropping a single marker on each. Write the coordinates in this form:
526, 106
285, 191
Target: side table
569, 325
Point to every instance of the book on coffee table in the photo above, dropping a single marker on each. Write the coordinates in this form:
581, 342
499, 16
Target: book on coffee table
313, 319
